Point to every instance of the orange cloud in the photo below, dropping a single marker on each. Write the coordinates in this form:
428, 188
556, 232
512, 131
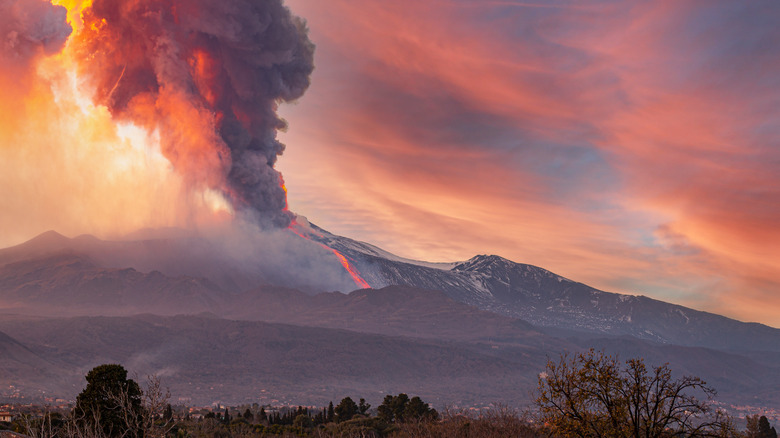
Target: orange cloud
65, 164
627, 146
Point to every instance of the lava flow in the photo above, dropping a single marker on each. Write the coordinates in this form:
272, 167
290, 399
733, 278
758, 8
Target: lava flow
351, 269
296, 228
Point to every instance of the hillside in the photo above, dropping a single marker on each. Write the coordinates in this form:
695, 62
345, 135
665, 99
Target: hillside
208, 359
473, 332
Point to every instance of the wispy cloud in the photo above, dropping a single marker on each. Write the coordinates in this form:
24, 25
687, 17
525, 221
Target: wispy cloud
633, 146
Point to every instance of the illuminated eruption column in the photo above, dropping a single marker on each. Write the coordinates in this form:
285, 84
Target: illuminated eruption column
207, 77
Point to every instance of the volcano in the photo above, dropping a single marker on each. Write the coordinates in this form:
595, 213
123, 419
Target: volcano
175, 303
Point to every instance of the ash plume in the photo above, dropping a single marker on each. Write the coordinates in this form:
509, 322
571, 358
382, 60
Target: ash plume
30, 27
208, 77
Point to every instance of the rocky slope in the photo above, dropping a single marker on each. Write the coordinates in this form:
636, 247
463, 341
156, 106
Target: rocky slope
545, 299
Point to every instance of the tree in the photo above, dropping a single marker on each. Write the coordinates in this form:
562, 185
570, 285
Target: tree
416, 409
331, 413
345, 410
363, 407
592, 396
110, 403
50, 424
758, 427
157, 415
302, 421
400, 408
392, 408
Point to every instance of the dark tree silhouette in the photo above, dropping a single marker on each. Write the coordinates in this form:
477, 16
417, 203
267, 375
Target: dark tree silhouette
345, 410
764, 429
416, 409
363, 407
392, 408
110, 403
400, 408
331, 414
591, 396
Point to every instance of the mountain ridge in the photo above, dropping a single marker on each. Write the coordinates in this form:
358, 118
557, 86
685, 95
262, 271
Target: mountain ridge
545, 299
487, 282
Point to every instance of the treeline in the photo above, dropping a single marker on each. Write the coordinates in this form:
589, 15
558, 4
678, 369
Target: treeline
344, 419
303, 422
586, 395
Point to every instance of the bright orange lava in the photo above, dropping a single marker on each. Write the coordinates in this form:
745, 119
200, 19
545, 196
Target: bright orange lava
351, 269
342, 259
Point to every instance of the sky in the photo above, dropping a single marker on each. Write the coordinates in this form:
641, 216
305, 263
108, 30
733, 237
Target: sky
631, 146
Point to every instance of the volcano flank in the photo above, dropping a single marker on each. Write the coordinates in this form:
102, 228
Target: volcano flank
138, 301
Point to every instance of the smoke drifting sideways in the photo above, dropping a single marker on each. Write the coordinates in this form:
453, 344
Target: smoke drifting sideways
208, 76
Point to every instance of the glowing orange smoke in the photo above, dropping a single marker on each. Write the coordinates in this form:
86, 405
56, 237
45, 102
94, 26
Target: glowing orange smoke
296, 228
206, 78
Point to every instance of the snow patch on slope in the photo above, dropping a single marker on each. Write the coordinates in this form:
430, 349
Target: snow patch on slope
368, 249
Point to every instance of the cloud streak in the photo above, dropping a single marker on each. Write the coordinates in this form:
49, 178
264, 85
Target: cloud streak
630, 146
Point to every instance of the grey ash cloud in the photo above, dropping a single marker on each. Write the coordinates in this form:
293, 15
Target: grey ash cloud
232, 62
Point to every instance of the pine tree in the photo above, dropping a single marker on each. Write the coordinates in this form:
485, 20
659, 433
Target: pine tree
392, 408
417, 409
331, 413
764, 429
346, 410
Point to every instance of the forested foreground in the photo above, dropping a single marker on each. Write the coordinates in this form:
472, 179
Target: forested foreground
586, 395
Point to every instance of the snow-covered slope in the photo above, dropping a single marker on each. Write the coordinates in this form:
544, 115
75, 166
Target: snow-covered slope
545, 299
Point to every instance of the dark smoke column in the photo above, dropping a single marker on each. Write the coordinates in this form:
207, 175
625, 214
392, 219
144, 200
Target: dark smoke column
208, 75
